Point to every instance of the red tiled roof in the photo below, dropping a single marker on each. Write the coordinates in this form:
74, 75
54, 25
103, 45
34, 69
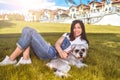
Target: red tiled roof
115, 1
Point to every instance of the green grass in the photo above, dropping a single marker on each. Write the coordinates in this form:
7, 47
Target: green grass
103, 58
7, 27
17, 26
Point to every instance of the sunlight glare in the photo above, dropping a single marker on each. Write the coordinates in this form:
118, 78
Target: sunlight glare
35, 4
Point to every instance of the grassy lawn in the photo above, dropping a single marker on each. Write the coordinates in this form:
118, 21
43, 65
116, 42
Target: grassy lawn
103, 59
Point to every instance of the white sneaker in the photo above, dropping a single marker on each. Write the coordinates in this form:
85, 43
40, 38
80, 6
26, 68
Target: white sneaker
23, 61
7, 61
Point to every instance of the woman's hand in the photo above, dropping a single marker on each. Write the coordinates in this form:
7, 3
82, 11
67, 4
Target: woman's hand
63, 54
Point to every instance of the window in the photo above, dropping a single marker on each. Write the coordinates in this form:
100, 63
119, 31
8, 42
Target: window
73, 10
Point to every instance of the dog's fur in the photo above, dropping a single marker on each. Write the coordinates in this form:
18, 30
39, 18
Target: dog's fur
62, 66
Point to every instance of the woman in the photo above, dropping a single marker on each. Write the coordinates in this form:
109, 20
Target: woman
31, 39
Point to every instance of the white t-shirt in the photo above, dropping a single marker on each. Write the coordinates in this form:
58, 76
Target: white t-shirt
77, 41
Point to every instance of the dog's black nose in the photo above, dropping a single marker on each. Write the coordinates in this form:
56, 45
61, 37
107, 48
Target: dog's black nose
81, 54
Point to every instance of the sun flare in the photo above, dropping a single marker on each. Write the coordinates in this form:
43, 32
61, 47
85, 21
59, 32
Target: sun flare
30, 4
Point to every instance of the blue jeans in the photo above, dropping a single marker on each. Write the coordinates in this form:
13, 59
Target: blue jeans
31, 38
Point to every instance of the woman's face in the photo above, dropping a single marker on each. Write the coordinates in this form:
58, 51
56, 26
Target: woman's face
77, 30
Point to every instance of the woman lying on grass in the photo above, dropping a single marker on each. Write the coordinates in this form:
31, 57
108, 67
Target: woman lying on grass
30, 39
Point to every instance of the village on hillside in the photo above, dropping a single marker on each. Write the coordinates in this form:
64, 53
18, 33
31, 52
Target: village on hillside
93, 13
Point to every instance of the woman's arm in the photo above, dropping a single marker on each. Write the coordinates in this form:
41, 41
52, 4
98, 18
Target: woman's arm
61, 52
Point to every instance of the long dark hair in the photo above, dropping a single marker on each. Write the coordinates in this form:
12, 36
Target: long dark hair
83, 34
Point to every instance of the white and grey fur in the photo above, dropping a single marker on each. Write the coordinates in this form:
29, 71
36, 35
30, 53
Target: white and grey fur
62, 66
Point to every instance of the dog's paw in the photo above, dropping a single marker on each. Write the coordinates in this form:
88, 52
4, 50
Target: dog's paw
49, 65
85, 65
81, 65
61, 74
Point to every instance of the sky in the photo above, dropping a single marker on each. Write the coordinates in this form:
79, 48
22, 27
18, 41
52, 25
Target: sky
36, 4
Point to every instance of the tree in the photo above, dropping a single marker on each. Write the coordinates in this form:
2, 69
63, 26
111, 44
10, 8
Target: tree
73, 1
70, 1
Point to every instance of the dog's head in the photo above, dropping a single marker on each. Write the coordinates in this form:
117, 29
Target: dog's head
79, 51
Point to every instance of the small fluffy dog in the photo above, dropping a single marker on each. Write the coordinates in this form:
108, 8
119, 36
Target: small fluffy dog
62, 66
